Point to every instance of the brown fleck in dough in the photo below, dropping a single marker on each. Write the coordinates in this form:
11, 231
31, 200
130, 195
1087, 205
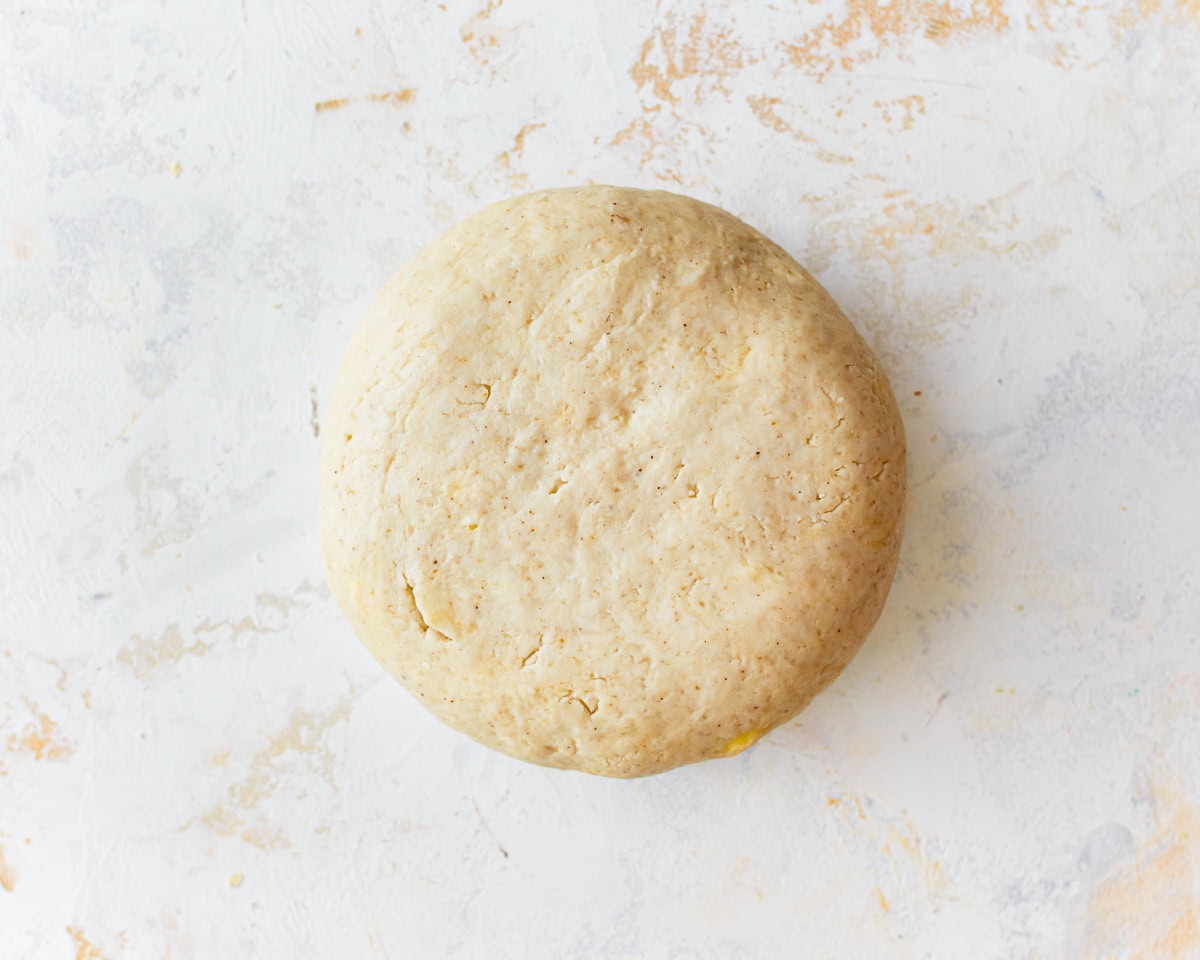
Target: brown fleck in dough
609, 482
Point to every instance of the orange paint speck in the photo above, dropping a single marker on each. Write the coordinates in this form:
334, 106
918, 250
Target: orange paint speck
394, 97
84, 949
23, 241
476, 34
904, 110
42, 738
505, 159
858, 807
8, 876
489, 8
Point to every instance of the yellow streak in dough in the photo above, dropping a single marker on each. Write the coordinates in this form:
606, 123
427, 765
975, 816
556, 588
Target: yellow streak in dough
742, 741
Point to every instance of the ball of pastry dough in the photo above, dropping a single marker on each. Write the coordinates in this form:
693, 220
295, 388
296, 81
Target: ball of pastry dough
609, 482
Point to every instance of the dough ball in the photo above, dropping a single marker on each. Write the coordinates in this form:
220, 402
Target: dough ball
609, 482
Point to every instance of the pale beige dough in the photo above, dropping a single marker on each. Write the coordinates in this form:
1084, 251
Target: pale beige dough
609, 482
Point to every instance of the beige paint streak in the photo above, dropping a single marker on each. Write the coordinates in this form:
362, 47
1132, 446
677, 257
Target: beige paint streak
652, 142
764, 110
867, 30
673, 53
1149, 909
144, 654
887, 239
84, 948
303, 737
897, 841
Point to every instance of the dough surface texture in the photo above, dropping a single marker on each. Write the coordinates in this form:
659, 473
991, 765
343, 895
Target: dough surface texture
609, 482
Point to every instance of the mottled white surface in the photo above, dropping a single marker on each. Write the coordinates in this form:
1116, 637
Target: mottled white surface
197, 200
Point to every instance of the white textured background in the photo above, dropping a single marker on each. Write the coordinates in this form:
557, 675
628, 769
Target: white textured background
198, 199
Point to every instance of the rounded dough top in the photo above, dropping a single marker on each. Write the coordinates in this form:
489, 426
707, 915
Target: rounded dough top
609, 482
